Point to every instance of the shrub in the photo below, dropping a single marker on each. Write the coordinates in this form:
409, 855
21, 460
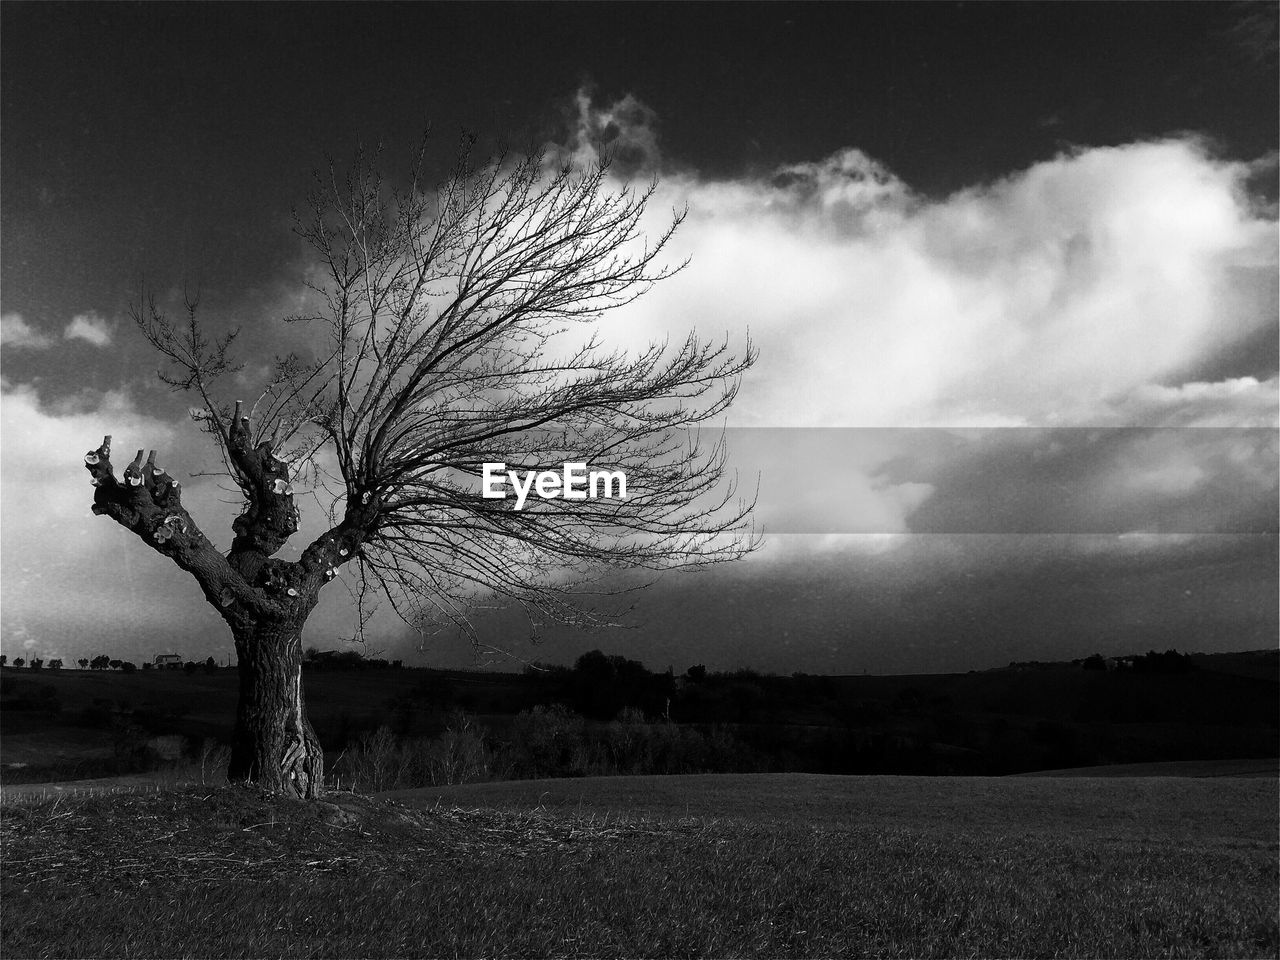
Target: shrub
547, 741
214, 758
381, 761
459, 755
375, 762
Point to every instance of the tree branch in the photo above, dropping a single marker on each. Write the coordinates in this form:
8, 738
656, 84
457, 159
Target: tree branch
149, 504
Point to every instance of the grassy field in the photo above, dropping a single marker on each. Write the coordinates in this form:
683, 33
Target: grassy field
767, 866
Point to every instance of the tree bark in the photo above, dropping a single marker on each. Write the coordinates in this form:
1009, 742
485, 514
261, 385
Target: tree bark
274, 744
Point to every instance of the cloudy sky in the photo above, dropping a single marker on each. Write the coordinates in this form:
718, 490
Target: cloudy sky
1011, 270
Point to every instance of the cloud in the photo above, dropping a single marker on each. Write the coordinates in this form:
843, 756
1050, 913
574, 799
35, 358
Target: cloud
625, 132
1070, 293
1234, 402
16, 332
1009, 480
849, 189
1110, 481
91, 328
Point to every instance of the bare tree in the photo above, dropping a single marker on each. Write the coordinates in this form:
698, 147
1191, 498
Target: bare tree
456, 328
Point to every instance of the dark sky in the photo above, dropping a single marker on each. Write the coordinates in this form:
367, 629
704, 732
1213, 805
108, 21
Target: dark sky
167, 139
1050, 216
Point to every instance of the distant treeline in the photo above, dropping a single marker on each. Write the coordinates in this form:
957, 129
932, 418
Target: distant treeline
106, 662
313, 659
611, 715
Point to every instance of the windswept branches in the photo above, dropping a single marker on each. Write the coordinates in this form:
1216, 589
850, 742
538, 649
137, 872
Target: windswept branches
457, 331
453, 297
454, 316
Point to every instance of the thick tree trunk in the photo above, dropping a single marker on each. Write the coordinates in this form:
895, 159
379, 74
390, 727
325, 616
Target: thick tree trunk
274, 744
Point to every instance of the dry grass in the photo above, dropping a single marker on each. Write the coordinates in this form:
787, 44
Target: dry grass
235, 873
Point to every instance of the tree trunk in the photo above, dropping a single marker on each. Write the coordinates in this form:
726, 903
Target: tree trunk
274, 744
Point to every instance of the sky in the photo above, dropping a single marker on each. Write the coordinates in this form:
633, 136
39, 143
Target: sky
1011, 270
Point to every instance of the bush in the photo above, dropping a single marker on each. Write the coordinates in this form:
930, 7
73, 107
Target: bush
381, 761
459, 755
378, 762
214, 759
547, 741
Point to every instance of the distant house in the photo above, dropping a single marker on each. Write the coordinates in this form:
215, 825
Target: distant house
168, 661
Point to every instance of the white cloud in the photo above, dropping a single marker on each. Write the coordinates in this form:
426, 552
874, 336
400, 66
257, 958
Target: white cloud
16, 332
1044, 299
1235, 402
91, 328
